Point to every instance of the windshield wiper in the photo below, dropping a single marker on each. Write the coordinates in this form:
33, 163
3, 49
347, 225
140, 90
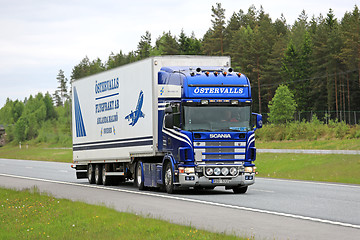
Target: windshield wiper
227, 130
200, 130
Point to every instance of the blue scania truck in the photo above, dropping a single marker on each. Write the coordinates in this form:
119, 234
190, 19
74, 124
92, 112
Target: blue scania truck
169, 122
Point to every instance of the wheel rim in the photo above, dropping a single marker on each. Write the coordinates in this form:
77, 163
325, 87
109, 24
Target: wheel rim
103, 174
90, 172
168, 177
97, 174
138, 174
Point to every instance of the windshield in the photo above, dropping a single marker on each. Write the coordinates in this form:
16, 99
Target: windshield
217, 118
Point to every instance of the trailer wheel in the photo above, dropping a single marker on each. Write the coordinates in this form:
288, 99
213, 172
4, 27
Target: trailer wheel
169, 179
240, 190
98, 171
138, 176
91, 174
105, 179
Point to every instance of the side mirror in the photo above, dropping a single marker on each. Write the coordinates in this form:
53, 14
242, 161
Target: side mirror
169, 121
259, 122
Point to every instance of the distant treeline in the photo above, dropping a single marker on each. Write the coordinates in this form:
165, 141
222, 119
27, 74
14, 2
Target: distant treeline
318, 58
37, 119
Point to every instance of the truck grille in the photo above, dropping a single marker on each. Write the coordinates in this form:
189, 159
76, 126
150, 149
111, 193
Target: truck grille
225, 150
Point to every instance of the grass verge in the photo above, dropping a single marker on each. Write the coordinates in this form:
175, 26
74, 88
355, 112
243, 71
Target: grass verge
30, 215
334, 144
314, 167
40, 152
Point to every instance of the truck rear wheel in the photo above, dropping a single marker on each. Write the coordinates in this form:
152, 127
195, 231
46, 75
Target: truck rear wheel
98, 171
106, 180
138, 176
91, 174
240, 190
169, 179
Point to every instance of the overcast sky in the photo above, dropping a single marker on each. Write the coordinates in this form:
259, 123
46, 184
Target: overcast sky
40, 37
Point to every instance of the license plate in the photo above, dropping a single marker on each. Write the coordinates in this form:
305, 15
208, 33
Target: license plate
219, 180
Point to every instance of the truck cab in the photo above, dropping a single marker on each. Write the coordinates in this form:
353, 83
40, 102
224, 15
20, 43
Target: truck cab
206, 130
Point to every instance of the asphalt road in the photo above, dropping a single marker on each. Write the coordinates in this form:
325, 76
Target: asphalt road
271, 209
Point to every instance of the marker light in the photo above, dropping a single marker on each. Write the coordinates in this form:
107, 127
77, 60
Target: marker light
216, 73
234, 102
192, 74
238, 74
204, 101
189, 170
207, 73
224, 73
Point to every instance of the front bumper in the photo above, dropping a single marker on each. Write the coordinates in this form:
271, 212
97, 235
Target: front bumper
193, 180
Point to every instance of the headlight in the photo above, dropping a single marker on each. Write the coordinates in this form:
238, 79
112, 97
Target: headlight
217, 171
233, 171
225, 171
209, 171
248, 169
189, 170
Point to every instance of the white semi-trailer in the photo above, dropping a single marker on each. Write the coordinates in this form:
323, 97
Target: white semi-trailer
161, 121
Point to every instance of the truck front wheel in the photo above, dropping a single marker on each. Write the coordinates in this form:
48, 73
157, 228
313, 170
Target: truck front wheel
98, 171
169, 179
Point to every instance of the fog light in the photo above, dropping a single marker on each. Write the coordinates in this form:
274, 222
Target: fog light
233, 171
209, 171
225, 171
217, 171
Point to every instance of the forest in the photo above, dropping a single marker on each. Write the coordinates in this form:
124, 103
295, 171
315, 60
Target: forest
317, 58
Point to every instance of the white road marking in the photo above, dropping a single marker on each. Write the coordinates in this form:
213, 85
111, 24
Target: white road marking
29, 167
309, 182
195, 201
260, 190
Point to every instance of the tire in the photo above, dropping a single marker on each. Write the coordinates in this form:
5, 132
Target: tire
138, 176
98, 171
105, 179
240, 190
169, 179
91, 174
